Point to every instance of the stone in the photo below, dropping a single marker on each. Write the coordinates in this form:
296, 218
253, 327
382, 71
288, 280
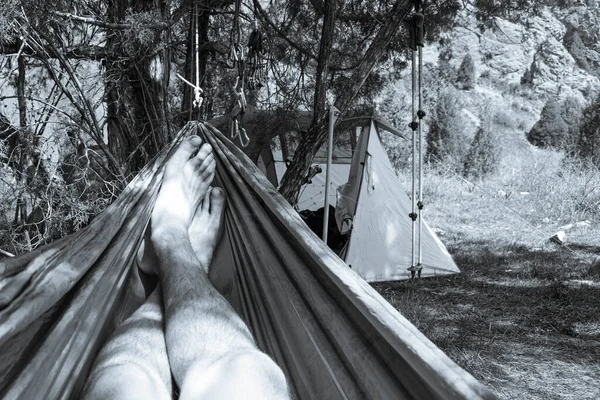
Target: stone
559, 237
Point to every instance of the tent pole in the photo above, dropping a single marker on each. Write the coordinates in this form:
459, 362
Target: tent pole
420, 196
332, 115
413, 125
412, 30
419, 18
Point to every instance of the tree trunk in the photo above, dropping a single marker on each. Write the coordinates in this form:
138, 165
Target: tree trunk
323, 60
21, 207
317, 133
136, 87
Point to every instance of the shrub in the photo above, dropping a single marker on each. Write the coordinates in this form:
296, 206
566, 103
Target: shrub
484, 154
551, 128
446, 141
577, 49
588, 145
466, 76
505, 119
571, 114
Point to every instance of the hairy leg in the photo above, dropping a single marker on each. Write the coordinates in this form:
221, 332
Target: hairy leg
133, 364
211, 351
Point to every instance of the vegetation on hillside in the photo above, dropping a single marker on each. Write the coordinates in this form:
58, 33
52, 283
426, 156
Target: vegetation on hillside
466, 77
484, 155
588, 146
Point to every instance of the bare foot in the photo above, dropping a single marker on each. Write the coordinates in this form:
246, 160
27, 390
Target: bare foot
203, 233
204, 230
187, 178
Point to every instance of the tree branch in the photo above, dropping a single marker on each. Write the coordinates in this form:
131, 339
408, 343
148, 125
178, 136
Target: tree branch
324, 58
107, 25
316, 135
80, 52
87, 112
265, 18
374, 52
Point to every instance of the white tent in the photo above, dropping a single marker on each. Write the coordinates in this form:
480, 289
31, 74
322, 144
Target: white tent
365, 190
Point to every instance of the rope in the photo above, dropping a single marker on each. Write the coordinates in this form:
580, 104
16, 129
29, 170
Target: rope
197, 89
257, 67
197, 103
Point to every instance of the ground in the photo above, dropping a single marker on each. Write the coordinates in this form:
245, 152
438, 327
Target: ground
523, 317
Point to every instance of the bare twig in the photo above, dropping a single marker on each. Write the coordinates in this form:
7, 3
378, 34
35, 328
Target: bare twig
107, 25
263, 16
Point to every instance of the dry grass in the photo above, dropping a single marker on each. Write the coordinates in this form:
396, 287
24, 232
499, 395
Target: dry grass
524, 314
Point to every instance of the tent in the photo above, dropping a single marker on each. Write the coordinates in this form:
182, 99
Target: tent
331, 333
366, 192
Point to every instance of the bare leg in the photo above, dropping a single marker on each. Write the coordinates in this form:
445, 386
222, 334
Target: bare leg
134, 364
211, 351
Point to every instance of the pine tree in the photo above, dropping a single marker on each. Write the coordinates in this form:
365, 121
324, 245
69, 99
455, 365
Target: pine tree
571, 114
466, 77
484, 154
577, 49
445, 141
551, 129
588, 146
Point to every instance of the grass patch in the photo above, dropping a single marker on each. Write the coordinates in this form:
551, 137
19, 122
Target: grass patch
524, 315
510, 320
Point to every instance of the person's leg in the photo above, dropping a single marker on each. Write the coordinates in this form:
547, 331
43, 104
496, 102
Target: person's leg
211, 351
133, 364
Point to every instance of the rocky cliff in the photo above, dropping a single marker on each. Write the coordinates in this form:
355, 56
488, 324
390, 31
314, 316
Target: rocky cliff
520, 64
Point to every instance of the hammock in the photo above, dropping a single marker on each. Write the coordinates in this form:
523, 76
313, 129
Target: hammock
330, 332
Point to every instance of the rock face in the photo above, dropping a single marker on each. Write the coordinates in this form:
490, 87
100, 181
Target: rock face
520, 65
532, 51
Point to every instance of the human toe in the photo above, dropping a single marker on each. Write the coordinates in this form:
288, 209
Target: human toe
185, 150
217, 200
203, 155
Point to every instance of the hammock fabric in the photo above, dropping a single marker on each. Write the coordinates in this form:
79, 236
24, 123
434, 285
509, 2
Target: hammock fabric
331, 333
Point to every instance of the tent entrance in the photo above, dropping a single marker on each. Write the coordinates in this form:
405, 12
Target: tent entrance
371, 208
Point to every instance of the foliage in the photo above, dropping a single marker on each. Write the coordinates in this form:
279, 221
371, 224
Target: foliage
466, 77
577, 49
53, 207
588, 145
572, 112
484, 154
551, 129
487, 10
446, 140
558, 126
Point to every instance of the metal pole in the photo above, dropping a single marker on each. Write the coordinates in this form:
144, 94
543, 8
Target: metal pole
420, 114
419, 18
332, 112
413, 126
